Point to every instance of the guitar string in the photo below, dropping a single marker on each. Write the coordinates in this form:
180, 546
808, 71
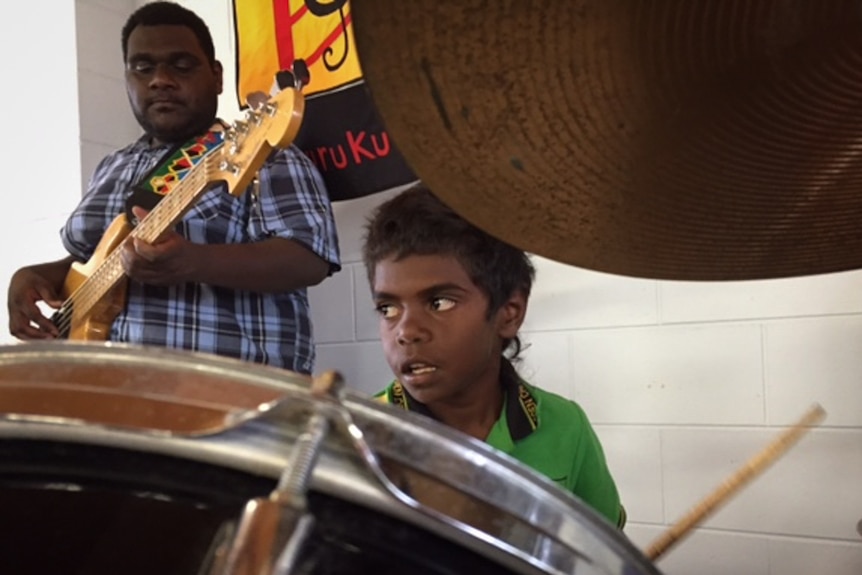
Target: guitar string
84, 296
105, 277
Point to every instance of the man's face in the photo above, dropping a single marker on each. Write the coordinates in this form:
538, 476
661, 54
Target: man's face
172, 87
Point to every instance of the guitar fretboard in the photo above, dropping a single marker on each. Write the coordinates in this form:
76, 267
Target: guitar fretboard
248, 143
160, 219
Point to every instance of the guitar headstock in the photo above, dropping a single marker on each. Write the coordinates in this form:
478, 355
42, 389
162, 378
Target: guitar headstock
268, 124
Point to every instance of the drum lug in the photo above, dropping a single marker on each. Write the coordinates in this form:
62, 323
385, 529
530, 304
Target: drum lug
272, 530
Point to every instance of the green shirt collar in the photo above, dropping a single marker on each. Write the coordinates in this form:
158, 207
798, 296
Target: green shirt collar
518, 419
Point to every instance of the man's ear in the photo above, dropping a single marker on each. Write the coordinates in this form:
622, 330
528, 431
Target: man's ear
511, 315
219, 72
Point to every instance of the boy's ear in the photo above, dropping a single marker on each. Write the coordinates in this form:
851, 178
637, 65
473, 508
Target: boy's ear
511, 315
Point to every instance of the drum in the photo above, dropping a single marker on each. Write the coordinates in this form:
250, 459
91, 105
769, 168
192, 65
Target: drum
117, 459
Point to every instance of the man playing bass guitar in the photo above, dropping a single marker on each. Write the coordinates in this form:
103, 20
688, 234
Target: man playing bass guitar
230, 278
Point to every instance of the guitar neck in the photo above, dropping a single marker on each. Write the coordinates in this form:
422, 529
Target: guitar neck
160, 219
270, 125
175, 204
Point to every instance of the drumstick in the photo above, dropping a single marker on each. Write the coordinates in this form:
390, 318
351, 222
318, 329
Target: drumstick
754, 466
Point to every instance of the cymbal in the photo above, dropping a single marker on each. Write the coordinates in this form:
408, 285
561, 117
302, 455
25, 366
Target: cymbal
668, 139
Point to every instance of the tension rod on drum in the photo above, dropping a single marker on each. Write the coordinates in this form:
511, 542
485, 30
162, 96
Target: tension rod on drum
272, 530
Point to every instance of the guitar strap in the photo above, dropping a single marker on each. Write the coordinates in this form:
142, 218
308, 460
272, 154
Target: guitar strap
175, 165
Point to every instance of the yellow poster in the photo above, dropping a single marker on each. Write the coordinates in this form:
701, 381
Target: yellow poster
272, 34
341, 132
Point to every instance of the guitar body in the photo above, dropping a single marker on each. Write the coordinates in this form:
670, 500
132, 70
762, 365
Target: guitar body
94, 324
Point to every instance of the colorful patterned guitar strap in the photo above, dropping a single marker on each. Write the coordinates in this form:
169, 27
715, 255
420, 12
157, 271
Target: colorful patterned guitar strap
175, 165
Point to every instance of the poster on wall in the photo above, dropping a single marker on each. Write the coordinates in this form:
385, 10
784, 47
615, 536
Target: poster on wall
341, 132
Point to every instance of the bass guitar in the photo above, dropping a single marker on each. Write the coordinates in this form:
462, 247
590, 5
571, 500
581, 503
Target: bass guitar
94, 292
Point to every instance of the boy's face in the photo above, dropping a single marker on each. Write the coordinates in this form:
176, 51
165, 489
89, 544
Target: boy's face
434, 325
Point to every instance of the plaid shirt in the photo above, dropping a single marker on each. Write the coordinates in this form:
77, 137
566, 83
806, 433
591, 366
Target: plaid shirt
271, 328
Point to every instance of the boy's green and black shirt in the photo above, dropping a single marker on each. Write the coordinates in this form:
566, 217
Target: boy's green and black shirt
547, 433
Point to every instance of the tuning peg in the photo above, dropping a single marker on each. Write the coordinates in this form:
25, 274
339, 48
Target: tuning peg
285, 79
297, 77
226, 166
231, 140
252, 117
301, 73
240, 127
257, 100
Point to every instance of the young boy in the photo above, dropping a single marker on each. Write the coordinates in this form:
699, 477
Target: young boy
451, 299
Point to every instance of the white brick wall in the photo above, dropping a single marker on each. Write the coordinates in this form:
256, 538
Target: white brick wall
39, 100
684, 381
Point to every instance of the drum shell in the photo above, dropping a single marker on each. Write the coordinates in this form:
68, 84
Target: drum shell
467, 494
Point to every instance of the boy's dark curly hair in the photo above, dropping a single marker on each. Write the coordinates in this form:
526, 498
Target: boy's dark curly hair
169, 14
416, 222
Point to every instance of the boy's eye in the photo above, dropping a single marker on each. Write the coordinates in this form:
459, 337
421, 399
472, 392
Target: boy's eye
442, 303
386, 310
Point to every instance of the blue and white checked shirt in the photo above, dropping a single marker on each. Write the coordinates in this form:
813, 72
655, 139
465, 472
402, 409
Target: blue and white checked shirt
271, 328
